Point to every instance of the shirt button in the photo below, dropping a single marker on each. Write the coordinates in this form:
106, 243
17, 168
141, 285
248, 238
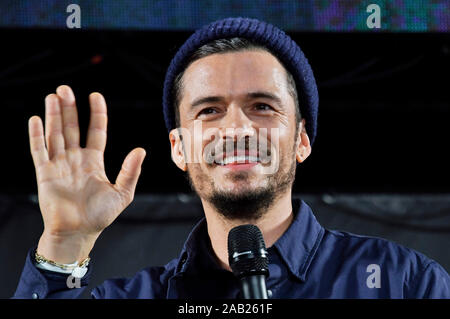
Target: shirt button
269, 293
35, 296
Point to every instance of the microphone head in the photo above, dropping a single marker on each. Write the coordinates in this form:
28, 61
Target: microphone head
247, 252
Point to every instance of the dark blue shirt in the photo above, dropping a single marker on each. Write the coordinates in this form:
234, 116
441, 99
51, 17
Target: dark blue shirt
307, 261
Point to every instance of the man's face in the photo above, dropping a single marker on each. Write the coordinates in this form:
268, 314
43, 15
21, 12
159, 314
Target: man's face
238, 96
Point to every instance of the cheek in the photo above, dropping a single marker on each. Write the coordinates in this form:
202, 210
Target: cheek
280, 136
195, 142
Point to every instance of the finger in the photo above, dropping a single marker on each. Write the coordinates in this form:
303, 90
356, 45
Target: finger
96, 136
131, 169
37, 142
53, 126
71, 130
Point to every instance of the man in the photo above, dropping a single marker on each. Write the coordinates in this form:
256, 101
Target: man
232, 81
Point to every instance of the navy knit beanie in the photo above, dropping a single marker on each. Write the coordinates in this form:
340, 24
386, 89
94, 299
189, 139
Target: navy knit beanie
280, 44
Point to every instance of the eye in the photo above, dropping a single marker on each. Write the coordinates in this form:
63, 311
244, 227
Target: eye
263, 107
207, 111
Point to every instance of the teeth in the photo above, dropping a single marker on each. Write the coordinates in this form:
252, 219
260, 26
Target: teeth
239, 159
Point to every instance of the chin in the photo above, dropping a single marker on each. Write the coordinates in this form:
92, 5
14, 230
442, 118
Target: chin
238, 187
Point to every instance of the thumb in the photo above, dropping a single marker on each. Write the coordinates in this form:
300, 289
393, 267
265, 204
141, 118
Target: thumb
131, 169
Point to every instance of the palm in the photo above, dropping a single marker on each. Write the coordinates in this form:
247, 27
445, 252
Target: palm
85, 194
75, 194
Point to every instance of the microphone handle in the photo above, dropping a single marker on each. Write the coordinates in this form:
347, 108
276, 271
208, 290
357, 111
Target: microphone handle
254, 287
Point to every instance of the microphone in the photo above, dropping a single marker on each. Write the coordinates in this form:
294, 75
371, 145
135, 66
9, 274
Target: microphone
249, 260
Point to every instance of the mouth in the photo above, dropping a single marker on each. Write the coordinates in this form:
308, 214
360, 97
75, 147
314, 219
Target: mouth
237, 162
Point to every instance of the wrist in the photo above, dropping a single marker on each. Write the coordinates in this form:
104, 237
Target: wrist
76, 269
66, 249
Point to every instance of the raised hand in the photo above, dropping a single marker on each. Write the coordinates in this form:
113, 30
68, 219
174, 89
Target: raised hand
76, 199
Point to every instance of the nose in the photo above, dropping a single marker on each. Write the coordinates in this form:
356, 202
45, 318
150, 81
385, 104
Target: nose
236, 124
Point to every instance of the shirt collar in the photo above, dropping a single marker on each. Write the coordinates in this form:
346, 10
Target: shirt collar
197, 254
297, 246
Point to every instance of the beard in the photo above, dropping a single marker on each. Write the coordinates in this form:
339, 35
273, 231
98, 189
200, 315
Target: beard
248, 204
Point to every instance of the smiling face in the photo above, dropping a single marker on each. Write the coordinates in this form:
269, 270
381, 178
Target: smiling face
239, 98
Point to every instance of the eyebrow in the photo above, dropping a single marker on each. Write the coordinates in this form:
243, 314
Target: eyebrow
251, 95
206, 99
264, 95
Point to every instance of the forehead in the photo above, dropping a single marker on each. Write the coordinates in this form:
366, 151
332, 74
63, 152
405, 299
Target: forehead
234, 74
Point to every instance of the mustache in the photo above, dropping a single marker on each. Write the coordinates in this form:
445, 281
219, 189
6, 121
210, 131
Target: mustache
221, 148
